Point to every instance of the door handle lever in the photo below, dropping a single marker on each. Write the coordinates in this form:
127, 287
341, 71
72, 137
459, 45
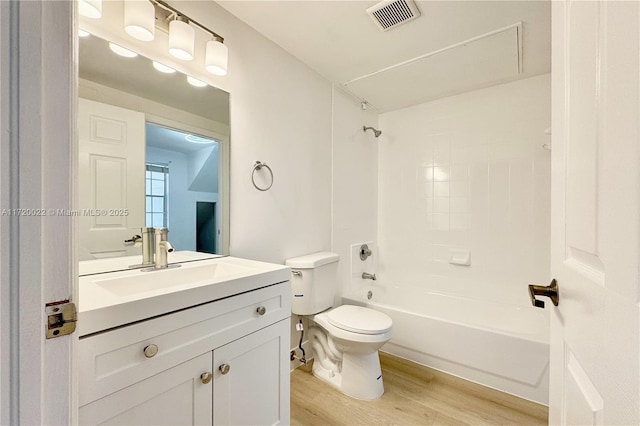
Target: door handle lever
550, 291
133, 239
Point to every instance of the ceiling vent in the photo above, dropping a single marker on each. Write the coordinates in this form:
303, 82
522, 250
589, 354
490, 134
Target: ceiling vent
391, 13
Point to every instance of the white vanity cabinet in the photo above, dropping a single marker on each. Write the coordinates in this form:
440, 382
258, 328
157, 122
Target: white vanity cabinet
224, 362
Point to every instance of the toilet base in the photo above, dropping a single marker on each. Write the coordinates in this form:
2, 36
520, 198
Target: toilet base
360, 376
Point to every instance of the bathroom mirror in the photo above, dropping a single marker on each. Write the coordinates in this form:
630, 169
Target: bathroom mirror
153, 151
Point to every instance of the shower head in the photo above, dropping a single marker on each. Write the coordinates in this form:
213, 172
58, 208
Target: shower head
376, 132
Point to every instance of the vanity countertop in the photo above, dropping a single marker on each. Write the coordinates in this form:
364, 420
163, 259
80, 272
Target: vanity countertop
113, 299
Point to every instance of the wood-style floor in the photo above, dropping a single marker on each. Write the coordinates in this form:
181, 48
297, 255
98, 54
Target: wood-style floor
414, 395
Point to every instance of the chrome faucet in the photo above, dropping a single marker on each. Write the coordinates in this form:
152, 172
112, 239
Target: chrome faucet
367, 276
163, 247
148, 246
147, 236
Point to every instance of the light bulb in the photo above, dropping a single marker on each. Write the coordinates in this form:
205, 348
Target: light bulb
216, 57
140, 19
197, 139
115, 48
90, 8
195, 82
163, 68
181, 39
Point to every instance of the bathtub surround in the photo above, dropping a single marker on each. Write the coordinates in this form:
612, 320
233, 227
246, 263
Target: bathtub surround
468, 173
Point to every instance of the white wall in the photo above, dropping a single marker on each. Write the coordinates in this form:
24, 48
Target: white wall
280, 115
355, 185
468, 172
182, 202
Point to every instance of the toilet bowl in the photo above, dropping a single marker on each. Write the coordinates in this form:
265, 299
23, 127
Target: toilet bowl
345, 342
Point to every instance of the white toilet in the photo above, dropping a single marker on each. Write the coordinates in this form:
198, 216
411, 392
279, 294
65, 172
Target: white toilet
346, 339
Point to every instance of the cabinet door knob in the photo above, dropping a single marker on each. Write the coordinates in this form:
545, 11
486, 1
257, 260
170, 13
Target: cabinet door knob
150, 351
261, 310
206, 377
224, 368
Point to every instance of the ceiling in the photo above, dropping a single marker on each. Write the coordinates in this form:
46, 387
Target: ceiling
339, 40
174, 140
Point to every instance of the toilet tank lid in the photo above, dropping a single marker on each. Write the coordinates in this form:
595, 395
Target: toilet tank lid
312, 260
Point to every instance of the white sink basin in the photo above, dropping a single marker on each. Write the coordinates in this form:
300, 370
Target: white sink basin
165, 279
113, 299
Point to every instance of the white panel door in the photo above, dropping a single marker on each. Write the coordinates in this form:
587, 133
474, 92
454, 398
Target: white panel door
595, 329
255, 388
111, 179
177, 396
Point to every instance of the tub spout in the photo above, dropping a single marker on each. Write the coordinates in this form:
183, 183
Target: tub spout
367, 276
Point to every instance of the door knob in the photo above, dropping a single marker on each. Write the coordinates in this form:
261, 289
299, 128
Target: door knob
550, 291
224, 368
261, 310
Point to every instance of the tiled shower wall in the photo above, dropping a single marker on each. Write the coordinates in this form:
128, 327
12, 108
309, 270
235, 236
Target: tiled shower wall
468, 173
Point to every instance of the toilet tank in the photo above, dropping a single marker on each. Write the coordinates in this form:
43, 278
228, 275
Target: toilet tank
313, 282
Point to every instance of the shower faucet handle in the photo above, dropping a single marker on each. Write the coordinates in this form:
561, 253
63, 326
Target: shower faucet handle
364, 252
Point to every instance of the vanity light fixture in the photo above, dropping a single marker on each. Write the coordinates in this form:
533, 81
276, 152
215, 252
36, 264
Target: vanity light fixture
140, 19
163, 68
195, 82
182, 38
90, 8
83, 33
216, 57
115, 48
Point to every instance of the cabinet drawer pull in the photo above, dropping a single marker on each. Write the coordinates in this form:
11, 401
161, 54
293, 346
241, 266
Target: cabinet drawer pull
206, 377
150, 351
224, 368
261, 310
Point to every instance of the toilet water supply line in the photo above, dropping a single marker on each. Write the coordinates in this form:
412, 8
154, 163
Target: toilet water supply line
304, 355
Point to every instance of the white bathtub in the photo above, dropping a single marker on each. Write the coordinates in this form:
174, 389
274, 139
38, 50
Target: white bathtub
500, 346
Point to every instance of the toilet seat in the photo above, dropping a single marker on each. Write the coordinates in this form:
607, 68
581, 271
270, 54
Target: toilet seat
358, 319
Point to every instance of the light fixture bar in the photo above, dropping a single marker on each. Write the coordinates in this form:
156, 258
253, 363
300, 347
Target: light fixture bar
173, 12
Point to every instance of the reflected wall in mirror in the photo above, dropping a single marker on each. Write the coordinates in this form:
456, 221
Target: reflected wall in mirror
153, 152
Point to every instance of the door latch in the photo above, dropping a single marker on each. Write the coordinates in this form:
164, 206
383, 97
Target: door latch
61, 318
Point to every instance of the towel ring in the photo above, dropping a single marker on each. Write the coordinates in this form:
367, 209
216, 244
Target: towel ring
257, 166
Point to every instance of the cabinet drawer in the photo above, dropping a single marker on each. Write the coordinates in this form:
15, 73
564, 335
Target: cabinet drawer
115, 359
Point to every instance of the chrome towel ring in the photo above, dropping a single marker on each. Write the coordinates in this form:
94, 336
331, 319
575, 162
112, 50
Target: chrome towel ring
258, 165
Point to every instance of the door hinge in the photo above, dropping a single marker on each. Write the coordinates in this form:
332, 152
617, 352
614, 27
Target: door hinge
61, 318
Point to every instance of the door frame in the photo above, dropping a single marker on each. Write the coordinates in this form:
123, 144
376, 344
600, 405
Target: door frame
38, 79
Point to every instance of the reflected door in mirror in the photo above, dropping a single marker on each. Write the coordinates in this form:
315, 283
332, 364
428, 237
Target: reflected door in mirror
111, 179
